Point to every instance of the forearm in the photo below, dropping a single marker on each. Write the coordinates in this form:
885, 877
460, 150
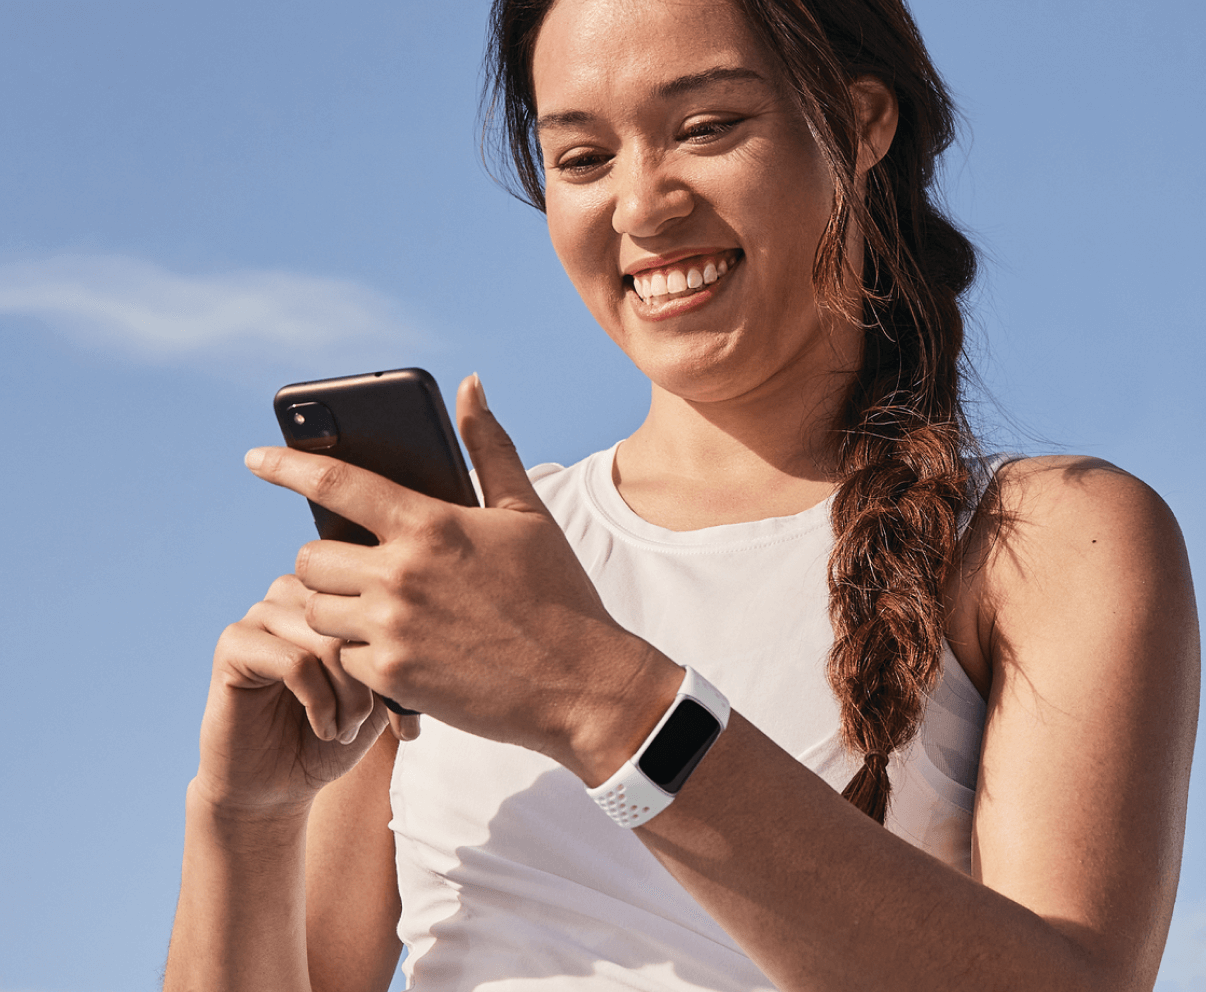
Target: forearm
241, 918
822, 898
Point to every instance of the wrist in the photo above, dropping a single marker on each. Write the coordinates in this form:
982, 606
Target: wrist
277, 820
638, 686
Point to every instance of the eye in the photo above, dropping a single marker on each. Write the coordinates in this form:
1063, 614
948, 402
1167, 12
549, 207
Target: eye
701, 132
580, 164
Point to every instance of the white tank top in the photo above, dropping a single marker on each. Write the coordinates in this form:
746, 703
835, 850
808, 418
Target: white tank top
511, 878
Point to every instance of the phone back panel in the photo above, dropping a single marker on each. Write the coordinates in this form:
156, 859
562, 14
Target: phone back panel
392, 423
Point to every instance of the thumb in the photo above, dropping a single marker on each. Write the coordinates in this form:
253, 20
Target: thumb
503, 480
405, 728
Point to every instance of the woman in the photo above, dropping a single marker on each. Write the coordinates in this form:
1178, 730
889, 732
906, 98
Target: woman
739, 191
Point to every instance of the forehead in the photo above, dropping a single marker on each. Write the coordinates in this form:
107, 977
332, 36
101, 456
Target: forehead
618, 51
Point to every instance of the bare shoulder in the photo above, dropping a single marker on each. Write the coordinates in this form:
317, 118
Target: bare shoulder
1074, 492
1055, 521
1066, 542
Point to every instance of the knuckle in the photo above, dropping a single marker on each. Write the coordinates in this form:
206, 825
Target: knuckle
392, 663
305, 555
228, 639
329, 477
296, 664
501, 441
389, 614
273, 458
361, 706
255, 615
283, 588
440, 530
398, 573
494, 438
311, 609
330, 651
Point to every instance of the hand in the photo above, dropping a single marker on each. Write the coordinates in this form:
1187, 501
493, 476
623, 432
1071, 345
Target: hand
283, 717
481, 617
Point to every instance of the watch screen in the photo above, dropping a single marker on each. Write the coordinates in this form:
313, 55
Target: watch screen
679, 746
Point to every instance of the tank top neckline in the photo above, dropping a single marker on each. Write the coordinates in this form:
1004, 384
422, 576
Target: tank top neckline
626, 524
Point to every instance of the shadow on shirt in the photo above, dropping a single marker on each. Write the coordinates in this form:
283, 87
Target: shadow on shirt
560, 896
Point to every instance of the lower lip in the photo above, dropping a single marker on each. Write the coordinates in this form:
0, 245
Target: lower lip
684, 304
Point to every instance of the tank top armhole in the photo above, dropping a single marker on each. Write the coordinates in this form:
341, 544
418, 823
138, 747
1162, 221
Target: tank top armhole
982, 471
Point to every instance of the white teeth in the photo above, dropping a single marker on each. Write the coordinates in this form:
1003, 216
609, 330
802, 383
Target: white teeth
675, 281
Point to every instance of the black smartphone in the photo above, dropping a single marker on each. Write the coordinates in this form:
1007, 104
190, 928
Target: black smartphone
392, 423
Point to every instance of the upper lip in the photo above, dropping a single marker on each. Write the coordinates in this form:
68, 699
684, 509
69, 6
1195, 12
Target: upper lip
669, 258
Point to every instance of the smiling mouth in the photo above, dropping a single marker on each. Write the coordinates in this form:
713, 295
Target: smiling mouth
684, 278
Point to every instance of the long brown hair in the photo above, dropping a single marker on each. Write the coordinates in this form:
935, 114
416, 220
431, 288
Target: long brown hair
903, 436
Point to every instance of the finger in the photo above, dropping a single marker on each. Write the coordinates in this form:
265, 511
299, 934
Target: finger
256, 658
353, 701
502, 476
286, 590
345, 616
405, 728
362, 662
286, 619
333, 567
337, 617
353, 492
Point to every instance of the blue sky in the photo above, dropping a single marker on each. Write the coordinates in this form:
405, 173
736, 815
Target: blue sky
202, 202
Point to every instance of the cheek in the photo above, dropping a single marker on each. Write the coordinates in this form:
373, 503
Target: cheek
581, 234
788, 191
573, 220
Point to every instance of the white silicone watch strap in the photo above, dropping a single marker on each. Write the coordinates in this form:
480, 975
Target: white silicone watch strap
629, 797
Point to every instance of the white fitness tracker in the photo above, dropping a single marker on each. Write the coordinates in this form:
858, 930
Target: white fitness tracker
648, 781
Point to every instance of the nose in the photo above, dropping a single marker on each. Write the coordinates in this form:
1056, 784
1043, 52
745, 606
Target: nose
647, 197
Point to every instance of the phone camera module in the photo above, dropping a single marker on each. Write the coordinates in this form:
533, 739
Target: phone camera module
312, 426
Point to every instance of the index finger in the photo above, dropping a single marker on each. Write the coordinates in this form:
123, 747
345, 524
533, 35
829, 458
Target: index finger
365, 498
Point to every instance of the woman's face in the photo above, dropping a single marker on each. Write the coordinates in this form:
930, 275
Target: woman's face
685, 198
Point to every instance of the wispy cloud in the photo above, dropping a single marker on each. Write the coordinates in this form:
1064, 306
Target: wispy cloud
1184, 964
145, 308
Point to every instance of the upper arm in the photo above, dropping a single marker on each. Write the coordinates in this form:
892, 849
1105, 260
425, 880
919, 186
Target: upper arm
1088, 620
352, 901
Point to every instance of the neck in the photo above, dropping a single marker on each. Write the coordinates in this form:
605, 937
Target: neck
770, 452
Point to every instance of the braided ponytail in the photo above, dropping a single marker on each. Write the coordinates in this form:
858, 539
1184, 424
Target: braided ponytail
903, 436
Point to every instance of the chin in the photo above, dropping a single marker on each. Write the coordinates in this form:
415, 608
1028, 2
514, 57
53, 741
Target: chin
704, 385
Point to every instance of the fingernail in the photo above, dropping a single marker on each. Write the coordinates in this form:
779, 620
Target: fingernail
349, 735
481, 392
254, 458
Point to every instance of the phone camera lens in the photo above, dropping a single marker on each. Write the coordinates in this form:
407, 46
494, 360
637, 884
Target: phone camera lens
310, 426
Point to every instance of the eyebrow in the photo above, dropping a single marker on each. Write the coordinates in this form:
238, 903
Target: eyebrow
666, 91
